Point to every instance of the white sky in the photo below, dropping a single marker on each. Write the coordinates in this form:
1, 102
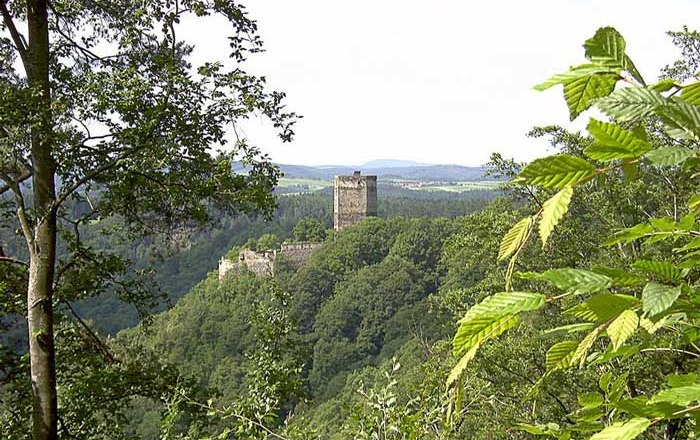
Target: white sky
439, 82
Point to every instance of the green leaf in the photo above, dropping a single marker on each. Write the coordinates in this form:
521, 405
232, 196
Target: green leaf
668, 156
652, 327
630, 103
552, 212
619, 277
657, 298
609, 354
568, 329
577, 281
514, 238
640, 407
663, 224
622, 328
504, 303
582, 92
691, 93
559, 355
531, 429
694, 202
613, 143
490, 318
590, 400
686, 223
693, 245
630, 171
683, 380
581, 353
575, 73
660, 269
682, 119
604, 381
602, 307
556, 171
474, 332
623, 431
629, 235
664, 85
618, 387
607, 48
459, 368
682, 396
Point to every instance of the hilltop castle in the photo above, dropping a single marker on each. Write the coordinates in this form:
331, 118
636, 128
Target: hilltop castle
354, 198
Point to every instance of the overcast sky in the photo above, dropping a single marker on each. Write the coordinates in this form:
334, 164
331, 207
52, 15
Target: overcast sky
438, 81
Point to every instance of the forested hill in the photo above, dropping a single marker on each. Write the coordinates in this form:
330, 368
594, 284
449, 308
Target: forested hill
185, 266
358, 301
366, 324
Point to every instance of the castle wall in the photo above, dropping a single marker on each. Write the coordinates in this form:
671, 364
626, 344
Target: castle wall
226, 265
298, 253
355, 198
262, 263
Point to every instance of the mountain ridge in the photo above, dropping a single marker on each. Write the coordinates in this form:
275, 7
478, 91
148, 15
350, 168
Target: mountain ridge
392, 170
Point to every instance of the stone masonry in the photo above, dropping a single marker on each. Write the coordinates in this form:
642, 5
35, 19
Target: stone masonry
263, 263
354, 198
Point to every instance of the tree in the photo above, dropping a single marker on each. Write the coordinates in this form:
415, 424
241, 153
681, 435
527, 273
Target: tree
267, 242
309, 229
646, 301
106, 109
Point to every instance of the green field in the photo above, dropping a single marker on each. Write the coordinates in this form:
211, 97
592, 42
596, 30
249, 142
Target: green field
317, 184
310, 184
484, 185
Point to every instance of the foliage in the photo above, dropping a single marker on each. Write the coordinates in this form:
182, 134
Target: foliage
309, 229
619, 311
267, 242
102, 108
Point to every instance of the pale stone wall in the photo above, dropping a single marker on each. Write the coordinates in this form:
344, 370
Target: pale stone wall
226, 265
260, 263
354, 198
298, 253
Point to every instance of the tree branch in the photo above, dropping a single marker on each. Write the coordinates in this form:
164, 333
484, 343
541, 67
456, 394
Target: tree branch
26, 175
96, 339
21, 211
89, 55
10, 260
17, 38
90, 176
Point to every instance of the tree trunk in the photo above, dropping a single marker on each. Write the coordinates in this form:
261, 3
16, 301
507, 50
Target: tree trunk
42, 241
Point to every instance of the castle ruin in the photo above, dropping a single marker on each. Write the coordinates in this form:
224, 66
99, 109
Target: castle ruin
262, 264
354, 198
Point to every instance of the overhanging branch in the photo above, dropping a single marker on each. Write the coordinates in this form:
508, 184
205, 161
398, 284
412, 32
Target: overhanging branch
90, 176
25, 176
11, 260
17, 38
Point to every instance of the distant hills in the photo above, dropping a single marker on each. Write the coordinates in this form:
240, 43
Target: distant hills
388, 168
393, 163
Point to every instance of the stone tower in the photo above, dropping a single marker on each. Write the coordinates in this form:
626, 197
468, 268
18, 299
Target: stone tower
354, 198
